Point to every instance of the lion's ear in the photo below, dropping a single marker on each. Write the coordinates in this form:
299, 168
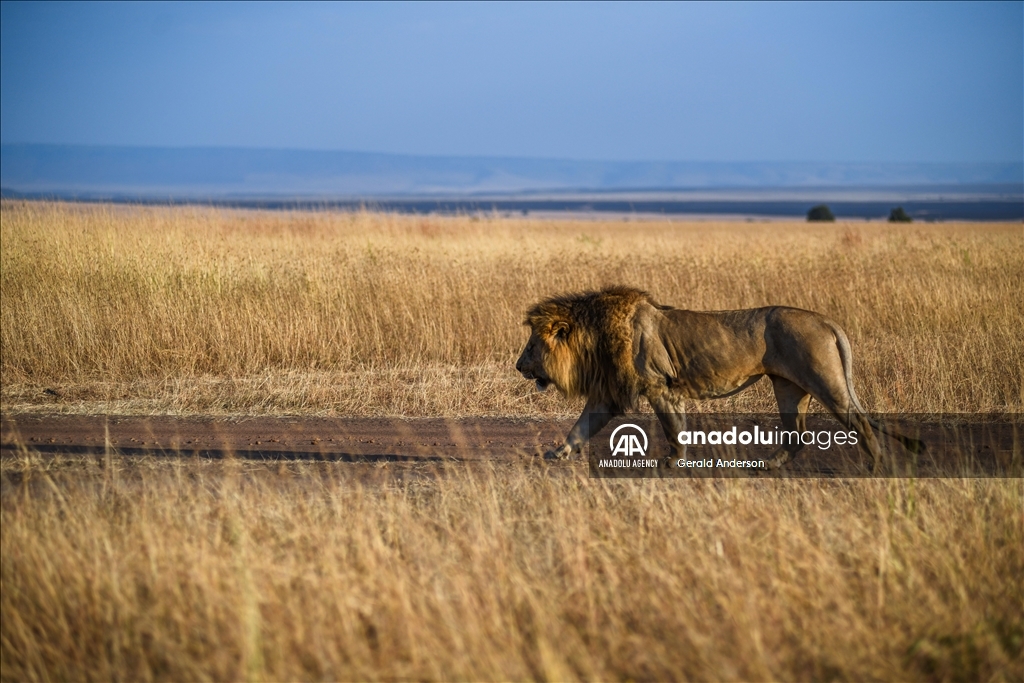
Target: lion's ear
560, 330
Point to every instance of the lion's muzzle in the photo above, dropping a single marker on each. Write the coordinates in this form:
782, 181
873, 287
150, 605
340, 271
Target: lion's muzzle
526, 366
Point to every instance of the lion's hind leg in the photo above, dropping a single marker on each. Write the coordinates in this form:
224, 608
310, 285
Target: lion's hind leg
793, 402
858, 421
844, 407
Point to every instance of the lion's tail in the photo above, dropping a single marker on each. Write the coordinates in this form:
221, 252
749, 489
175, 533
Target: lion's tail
846, 356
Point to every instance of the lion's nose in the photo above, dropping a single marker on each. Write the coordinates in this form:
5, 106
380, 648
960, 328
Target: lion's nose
519, 365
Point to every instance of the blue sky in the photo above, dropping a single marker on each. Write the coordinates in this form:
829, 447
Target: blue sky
917, 82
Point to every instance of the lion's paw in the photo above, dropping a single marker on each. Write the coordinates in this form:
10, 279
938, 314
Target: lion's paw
561, 453
778, 460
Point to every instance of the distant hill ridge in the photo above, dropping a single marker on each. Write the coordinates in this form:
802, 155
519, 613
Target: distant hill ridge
227, 171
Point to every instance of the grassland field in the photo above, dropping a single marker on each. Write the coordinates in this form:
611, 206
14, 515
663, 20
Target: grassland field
121, 568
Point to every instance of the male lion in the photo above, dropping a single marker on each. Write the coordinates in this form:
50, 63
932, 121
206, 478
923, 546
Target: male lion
617, 345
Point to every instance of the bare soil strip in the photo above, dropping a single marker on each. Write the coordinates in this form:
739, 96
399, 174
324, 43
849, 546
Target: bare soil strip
982, 452
305, 438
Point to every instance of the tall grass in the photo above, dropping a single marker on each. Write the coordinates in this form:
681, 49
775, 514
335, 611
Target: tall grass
148, 569
172, 309
184, 570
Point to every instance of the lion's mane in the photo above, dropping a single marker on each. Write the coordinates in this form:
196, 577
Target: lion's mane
595, 360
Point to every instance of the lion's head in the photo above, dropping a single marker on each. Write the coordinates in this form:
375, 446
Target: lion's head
551, 353
581, 343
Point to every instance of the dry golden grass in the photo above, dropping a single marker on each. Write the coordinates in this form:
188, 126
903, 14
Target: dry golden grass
194, 310
190, 570
139, 569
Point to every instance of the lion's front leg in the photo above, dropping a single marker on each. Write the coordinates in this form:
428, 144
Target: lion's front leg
671, 414
592, 420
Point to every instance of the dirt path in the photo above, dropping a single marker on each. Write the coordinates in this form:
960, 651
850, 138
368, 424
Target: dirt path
362, 439
984, 448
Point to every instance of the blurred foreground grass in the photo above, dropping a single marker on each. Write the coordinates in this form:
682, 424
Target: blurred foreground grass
161, 569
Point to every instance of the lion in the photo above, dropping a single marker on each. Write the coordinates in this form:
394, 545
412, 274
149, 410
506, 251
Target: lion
615, 345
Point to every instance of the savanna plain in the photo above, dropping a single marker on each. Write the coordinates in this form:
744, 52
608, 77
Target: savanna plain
164, 568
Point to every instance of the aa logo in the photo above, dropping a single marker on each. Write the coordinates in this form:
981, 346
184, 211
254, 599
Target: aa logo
627, 443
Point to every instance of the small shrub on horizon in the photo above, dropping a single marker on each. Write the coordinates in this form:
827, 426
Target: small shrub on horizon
898, 215
820, 214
